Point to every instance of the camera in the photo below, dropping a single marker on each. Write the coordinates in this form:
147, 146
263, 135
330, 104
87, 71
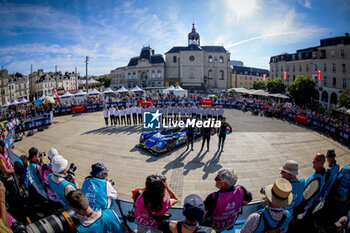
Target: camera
262, 190
62, 221
112, 182
161, 177
70, 172
42, 154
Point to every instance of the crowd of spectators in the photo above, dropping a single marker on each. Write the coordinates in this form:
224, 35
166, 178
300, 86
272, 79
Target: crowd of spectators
292, 204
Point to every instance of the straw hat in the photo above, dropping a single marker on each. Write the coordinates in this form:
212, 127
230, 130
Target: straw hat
280, 193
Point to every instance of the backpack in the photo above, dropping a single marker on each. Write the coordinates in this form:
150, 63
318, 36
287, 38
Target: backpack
268, 228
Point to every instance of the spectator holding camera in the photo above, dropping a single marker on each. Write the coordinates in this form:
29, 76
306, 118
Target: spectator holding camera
152, 203
58, 179
35, 162
223, 206
97, 189
94, 221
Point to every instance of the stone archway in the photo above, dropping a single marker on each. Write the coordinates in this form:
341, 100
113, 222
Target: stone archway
334, 98
324, 96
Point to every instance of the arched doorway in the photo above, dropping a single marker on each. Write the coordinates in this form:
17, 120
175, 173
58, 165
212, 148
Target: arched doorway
324, 97
334, 98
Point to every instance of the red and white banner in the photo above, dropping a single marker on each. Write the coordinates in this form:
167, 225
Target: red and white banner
319, 75
146, 102
264, 76
207, 102
56, 93
301, 118
285, 75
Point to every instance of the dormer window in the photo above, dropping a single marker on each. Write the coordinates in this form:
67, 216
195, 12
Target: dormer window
210, 59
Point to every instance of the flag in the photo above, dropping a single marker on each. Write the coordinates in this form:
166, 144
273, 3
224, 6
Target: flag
56, 93
319, 75
285, 75
264, 76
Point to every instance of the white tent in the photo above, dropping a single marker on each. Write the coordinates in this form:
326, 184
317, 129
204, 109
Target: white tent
23, 101
42, 97
94, 92
169, 89
53, 96
137, 89
179, 91
6, 105
15, 102
66, 95
122, 90
80, 93
108, 91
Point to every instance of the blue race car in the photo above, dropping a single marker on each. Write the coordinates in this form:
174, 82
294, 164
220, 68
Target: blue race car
165, 140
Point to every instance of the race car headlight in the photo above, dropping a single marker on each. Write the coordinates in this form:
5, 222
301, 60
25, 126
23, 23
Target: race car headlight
141, 138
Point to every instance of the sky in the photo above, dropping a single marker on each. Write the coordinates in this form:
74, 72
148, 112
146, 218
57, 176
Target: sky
61, 33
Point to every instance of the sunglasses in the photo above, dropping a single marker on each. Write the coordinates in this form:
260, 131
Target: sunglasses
217, 179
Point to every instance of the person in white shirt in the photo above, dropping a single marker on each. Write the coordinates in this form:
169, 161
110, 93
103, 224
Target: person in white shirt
105, 115
122, 116
176, 112
194, 110
134, 114
220, 112
116, 116
183, 112
111, 114
164, 112
189, 111
170, 112
139, 111
215, 113
128, 115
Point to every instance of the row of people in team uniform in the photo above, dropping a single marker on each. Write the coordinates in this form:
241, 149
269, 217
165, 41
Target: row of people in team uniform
133, 115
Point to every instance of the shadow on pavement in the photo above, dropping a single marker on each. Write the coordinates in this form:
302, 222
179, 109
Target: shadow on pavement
133, 129
212, 165
195, 163
177, 163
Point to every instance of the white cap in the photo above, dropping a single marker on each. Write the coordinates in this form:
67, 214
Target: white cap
52, 153
59, 163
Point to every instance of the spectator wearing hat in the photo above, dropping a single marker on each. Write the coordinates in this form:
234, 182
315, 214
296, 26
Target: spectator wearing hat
223, 206
273, 217
97, 189
94, 221
193, 211
58, 179
35, 162
289, 171
331, 174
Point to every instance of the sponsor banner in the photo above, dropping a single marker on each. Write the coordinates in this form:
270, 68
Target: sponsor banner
36, 123
301, 118
207, 102
147, 102
78, 109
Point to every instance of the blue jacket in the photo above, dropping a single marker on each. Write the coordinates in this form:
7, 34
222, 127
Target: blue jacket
272, 224
95, 190
58, 189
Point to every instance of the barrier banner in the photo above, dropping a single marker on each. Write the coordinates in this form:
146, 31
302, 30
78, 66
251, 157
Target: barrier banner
146, 102
78, 108
207, 102
301, 118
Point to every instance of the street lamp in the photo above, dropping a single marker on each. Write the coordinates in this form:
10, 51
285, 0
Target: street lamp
87, 61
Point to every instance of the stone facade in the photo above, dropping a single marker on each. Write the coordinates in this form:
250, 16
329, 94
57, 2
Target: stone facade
331, 58
198, 67
243, 76
145, 71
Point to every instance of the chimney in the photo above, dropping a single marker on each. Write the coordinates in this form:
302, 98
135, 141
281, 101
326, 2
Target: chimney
40, 72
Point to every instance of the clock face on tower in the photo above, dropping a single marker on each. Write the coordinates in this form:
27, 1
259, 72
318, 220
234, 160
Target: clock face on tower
191, 58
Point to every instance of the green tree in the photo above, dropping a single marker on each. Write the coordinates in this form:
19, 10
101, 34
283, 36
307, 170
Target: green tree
258, 85
302, 89
344, 101
275, 86
105, 80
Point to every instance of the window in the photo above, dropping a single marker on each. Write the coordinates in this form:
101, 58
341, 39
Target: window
344, 83
307, 67
191, 58
210, 59
250, 78
159, 84
287, 68
281, 68
334, 68
332, 53
324, 67
293, 68
129, 76
221, 59
288, 78
343, 68
325, 81
134, 75
293, 77
222, 73
153, 75
342, 54
159, 74
334, 82
174, 59
153, 85
210, 74
300, 68
245, 77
